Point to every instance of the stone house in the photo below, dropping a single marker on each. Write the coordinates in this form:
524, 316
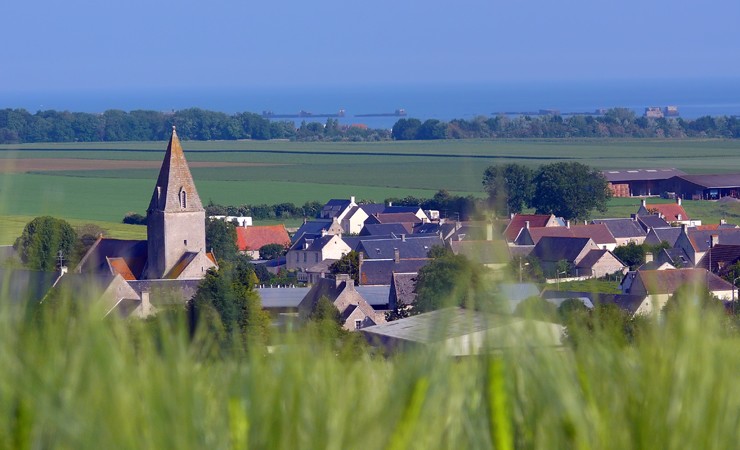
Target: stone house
308, 251
354, 310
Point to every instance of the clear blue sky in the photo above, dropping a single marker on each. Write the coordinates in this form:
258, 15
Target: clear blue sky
114, 44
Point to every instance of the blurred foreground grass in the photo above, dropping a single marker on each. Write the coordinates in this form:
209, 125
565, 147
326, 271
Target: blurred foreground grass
75, 381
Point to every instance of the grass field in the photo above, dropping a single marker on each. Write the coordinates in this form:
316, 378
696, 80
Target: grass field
299, 171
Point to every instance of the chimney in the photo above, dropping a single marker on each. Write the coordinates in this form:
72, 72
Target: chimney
390, 204
633, 217
305, 220
678, 217
403, 238
643, 203
344, 278
396, 255
684, 229
512, 216
146, 305
526, 224
722, 222
567, 224
648, 257
713, 240
678, 200
352, 200
489, 231
323, 232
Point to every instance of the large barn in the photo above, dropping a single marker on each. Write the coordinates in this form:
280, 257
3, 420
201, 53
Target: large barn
640, 182
706, 187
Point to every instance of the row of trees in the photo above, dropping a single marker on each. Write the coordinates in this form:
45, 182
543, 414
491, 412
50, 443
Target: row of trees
615, 123
266, 212
567, 189
19, 126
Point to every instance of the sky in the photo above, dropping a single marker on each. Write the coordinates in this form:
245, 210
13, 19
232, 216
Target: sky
113, 44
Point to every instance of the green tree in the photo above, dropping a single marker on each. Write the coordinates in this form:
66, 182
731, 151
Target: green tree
221, 238
526, 268
509, 187
349, 264
692, 296
631, 254
406, 129
571, 190
272, 251
42, 240
537, 308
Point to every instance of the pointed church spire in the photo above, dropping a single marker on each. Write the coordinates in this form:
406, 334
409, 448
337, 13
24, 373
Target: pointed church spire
175, 189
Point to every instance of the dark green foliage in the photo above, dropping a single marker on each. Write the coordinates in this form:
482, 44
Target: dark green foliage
324, 309
438, 251
449, 206
349, 264
133, 218
272, 251
631, 254
226, 305
266, 212
526, 268
606, 322
569, 190
537, 308
406, 129
572, 310
87, 234
689, 296
509, 187
221, 238
42, 240
452, 280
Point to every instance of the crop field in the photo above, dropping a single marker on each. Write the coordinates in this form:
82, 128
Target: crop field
104, 181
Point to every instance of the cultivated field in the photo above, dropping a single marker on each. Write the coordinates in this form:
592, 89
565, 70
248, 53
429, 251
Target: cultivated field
103, 181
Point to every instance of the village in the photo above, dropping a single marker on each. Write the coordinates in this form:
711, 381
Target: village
383, 248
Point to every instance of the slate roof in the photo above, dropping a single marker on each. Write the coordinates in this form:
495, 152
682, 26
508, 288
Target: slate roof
133, 252
616, 176
417, 247
22, 285
520, 220
599, 233
700, 238
483, 252
282, 298
403, 289
439, 325
167, 292
675, 256
558, 248
375, 229
622, 228
591, 258
380, 208
652, 221
334, 207
353, 242
716, 181
253, 238
380, 271
312, 227
174, 177
668, 281
315, 243
722, 256
658, 235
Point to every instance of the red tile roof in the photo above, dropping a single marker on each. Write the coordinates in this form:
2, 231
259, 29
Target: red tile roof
253, 238
520, 220
670, 211
119, 266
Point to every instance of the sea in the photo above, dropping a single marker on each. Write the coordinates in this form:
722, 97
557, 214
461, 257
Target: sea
443, 101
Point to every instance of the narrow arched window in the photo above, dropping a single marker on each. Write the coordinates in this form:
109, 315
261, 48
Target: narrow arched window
183, 199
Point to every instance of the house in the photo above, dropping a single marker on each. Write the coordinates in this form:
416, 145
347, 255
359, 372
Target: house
625, 231
639, 182
250, 239
379, 208
670, 212
337, 208
408, 247
659, 285
308, 251
583, 255
656, 236
354, 220
315, 228
697, 242
520, 221
461, 332
355, 312
403, 289
380, 271
706, 186
599, 233
651, 221
112, 294
380, 229
407, 219
721, 257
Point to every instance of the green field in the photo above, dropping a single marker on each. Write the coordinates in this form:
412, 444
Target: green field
303, 171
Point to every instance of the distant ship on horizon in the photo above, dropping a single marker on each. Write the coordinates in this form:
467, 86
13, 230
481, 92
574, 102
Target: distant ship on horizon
301, 114
397, 113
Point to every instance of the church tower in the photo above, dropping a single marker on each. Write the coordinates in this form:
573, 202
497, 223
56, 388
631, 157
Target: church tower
176, 232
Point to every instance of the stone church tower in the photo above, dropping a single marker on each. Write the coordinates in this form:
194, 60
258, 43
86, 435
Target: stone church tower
176, 236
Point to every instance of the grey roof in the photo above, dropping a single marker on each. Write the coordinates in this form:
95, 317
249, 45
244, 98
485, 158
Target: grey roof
427, 228
591, 258
376, 296
652, 221
723, 180
658, 235
380, 208
615, 176
334, 207
515, 293
373, 208
22, 285
622, 228
313, 227
403, 289
282, 297
675, 256
559, 248
700, 238
558, 297
354, 241
722, 257
379, 272
134, 252
375, 229
417, 247
315, 244
167, 292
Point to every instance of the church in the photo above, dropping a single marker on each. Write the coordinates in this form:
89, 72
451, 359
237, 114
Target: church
137, 276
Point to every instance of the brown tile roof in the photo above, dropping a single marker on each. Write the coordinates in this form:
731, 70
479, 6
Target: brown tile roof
669, 211
181, 265
253, 238
174, 177
520, 220
119, 266
599, 233
668, 281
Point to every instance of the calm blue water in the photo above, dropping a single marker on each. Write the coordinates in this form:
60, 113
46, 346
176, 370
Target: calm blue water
694, 98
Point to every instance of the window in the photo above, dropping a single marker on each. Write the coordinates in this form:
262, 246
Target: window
317, 257
305, 257
183, 199
185, 242
358, 324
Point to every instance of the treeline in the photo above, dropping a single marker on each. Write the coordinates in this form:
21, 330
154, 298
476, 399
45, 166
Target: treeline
266, 212
615, 123
448, 205
20, 126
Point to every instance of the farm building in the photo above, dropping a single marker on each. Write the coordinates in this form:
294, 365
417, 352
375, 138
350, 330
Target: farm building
639, 182
705, 187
